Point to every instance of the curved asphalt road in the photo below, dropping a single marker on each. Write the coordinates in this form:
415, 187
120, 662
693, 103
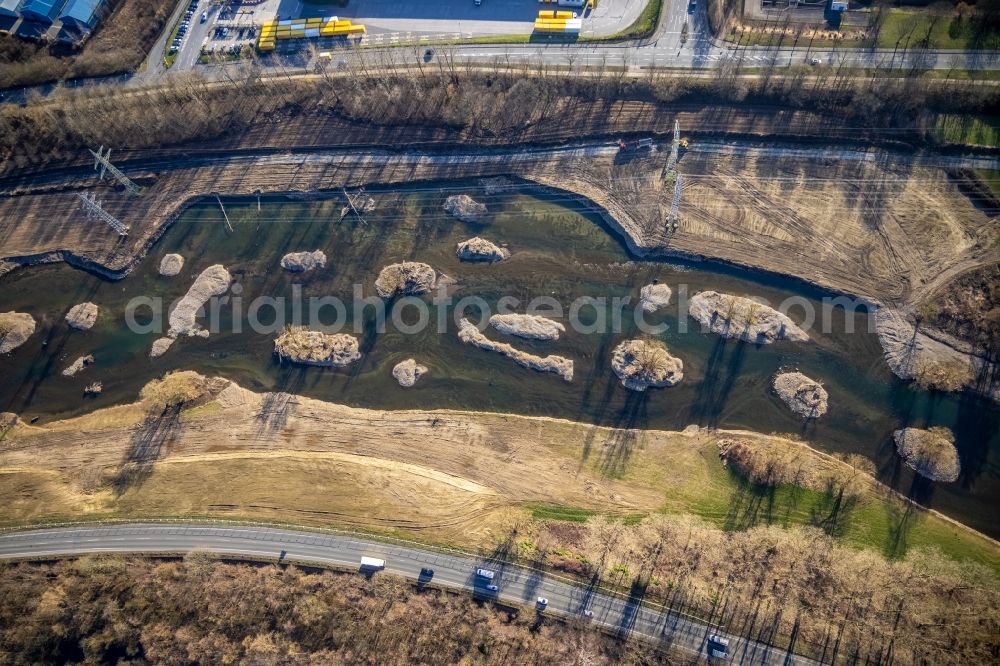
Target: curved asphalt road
518, 585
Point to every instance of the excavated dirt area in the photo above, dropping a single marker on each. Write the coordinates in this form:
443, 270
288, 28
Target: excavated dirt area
882, 231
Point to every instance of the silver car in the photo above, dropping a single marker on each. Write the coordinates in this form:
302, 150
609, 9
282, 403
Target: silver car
718, 647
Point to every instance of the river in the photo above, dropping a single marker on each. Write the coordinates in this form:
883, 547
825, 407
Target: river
560, 250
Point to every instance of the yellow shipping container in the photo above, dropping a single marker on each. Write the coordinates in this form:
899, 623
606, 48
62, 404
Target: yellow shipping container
546, 14
342, 24
564, 15
298, 33
357, 30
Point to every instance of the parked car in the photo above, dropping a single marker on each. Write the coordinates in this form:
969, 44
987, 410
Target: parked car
542, 603
718, 646
204, 16
485, 573
492, 588
588, 613
815, 61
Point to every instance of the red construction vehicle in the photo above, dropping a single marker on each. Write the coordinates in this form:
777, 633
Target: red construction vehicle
634, 146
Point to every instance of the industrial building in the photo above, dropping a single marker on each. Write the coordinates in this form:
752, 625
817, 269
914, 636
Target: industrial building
42, 11
83, 15
9, 7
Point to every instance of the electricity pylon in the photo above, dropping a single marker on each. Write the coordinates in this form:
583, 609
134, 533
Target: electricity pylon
103, 160
675, 204
94, 210
675, 149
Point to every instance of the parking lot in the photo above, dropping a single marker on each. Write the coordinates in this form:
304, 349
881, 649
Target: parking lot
230, 26
209, 28
492, 17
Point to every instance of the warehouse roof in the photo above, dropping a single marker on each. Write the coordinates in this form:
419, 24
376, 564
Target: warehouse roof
83, 11
9, 7
42, 9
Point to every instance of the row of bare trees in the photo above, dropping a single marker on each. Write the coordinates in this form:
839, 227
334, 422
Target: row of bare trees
501, 101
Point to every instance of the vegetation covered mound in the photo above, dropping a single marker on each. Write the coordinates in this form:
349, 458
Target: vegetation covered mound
213, 281
15, 329
742, 318
408, 372
912, 354
931, 452
408, 278
775, 461
184, 388
969, 309
160, 347
465, 208
299, 344
82, 317
480, 249
78, 365
803, 396
642, 364
171, 264
469, 334
301, 262
652, 297
532, 327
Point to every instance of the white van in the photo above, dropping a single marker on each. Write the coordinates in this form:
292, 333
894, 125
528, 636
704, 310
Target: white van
372, 564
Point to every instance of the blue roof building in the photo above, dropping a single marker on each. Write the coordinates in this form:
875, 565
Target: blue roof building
85, 14
9, 7
44, 11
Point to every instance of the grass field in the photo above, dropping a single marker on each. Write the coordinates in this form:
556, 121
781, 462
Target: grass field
940, 32
969, 130
901, 28
992, 180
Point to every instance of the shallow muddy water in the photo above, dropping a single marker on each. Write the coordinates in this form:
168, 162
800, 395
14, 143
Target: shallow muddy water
560, 250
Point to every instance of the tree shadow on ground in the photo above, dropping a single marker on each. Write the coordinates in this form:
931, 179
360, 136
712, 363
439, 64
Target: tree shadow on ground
751, 504
715, 387
149, 441
617, 448
277, 406
632, 606
833, 511
901, 518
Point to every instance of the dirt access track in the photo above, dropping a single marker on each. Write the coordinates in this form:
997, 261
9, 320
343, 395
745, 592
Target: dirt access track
867, 223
